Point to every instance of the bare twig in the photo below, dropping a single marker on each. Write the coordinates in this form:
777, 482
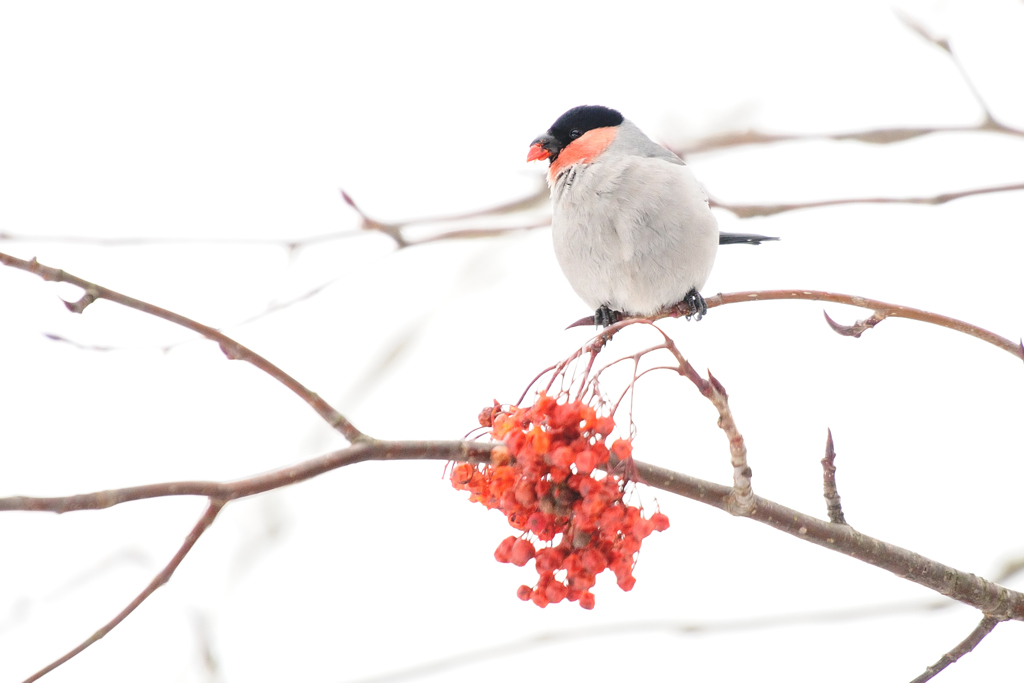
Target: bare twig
1009, 569
989, 123
967, 645
232, 349
753, 210
674, 628
740, 499
168, 240
396, 231
880, 136
874, 136
832, 500
160, 579
881, 309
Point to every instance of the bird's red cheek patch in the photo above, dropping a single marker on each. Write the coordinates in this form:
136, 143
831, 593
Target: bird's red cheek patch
584, 149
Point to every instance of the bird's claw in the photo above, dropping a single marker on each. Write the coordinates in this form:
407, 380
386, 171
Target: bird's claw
692, 306
604, 316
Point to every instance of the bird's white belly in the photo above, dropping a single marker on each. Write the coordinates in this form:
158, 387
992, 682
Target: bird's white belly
634, 234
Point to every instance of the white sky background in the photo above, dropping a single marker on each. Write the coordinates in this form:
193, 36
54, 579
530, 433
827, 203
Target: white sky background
242, 121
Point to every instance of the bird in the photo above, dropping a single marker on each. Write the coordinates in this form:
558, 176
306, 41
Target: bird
632, 229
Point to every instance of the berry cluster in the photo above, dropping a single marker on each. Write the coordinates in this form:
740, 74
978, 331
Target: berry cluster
545, 484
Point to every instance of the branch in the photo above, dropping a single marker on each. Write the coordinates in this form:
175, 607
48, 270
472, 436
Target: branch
160, 579
969, 643
882, 310
676, 628
752, 210
396, 231
260, 483
232, 349
966, 588
878, 136
873, 136
989, 123
952, 583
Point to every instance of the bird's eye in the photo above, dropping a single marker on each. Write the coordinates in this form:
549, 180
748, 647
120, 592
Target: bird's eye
575, 133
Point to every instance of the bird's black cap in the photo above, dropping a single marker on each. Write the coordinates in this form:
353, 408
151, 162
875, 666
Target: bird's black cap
583, 119
574, 123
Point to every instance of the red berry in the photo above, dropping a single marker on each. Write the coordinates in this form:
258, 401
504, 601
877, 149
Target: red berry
586, 462
542, 480
622, 449
604, 426
594, 560
562, 457
659, 521
521, 552
524, 493
504, 550
587, 485
583, 580
559, 474
549, 560
539, 523
556, 591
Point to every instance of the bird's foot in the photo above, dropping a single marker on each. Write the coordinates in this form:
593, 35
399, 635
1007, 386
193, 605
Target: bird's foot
604, 316
692, 306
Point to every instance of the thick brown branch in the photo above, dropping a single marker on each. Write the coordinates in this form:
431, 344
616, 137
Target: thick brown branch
967, 645
967, 588
160, 579
832, 500
230, 347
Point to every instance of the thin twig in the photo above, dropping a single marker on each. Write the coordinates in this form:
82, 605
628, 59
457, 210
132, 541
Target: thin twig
396, 231
880, 136
740, 500
160, 579
881, 310
832, 500
755, 210
874, 136
967, 645
621, 629
232, 349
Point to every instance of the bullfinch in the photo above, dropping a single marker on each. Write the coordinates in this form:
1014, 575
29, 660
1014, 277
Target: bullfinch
632, 229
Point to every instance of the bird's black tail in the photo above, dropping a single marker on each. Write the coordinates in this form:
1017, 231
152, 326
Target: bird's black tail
742, 238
